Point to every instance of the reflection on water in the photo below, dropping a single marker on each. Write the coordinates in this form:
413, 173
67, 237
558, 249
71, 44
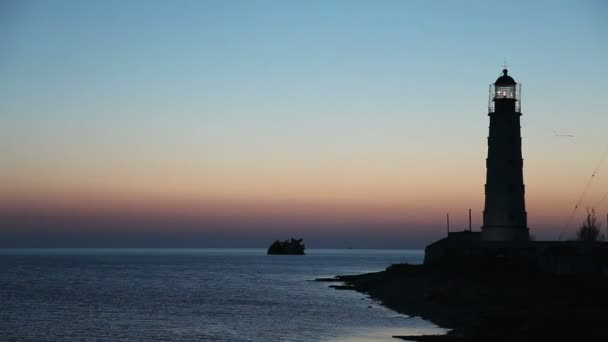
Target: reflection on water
194, 294
385, 334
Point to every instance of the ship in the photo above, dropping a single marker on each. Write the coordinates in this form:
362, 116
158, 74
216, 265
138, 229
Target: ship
287, 247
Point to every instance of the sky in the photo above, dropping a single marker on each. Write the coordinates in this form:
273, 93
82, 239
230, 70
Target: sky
234, 123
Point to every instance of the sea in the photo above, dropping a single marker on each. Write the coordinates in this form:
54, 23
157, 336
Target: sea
195, 295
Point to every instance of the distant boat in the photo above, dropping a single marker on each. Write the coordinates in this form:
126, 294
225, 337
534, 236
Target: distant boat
287, 247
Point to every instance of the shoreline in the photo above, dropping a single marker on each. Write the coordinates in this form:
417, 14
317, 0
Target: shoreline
492, 305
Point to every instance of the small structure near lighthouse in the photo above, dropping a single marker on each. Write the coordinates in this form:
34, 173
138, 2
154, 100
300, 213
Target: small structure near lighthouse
504, 216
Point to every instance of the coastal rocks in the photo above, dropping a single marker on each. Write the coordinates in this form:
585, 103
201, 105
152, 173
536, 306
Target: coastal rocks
501, 304
287, 247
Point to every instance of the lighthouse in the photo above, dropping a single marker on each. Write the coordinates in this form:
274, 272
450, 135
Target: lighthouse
504, 215
504, 241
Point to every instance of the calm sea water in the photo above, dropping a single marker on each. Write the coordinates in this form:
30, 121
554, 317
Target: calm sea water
193, 295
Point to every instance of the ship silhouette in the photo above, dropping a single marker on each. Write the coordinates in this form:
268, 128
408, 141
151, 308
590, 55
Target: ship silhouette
287, 247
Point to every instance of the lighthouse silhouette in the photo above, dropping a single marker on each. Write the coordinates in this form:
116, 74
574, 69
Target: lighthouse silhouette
504, 215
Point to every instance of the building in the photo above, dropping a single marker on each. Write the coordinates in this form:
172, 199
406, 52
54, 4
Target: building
504, 215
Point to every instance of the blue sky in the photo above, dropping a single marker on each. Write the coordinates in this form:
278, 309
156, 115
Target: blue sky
324, 102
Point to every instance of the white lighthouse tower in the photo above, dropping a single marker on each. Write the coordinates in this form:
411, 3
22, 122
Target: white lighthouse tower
504, 215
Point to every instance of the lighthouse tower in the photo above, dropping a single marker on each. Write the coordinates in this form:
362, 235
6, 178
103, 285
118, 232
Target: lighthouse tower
504, 215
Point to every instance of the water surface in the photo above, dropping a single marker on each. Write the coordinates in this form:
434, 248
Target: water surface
193, 295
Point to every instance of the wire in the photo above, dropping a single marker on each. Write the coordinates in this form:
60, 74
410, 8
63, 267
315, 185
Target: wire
585, 190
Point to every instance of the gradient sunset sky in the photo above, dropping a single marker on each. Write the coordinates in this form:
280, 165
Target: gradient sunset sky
234, 123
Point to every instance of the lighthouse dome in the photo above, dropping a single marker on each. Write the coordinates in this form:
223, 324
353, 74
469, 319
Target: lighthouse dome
505, 79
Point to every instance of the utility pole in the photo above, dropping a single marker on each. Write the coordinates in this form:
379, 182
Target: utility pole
447, 215
470, 219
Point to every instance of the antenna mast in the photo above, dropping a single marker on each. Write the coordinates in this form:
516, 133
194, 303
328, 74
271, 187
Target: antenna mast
447, 215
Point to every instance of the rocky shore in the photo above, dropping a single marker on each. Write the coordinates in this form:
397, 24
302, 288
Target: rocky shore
498, 304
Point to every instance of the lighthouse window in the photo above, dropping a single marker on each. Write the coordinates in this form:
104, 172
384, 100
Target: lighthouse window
505, 92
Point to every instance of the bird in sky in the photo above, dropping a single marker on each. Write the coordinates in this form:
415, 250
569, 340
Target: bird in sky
557, 134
